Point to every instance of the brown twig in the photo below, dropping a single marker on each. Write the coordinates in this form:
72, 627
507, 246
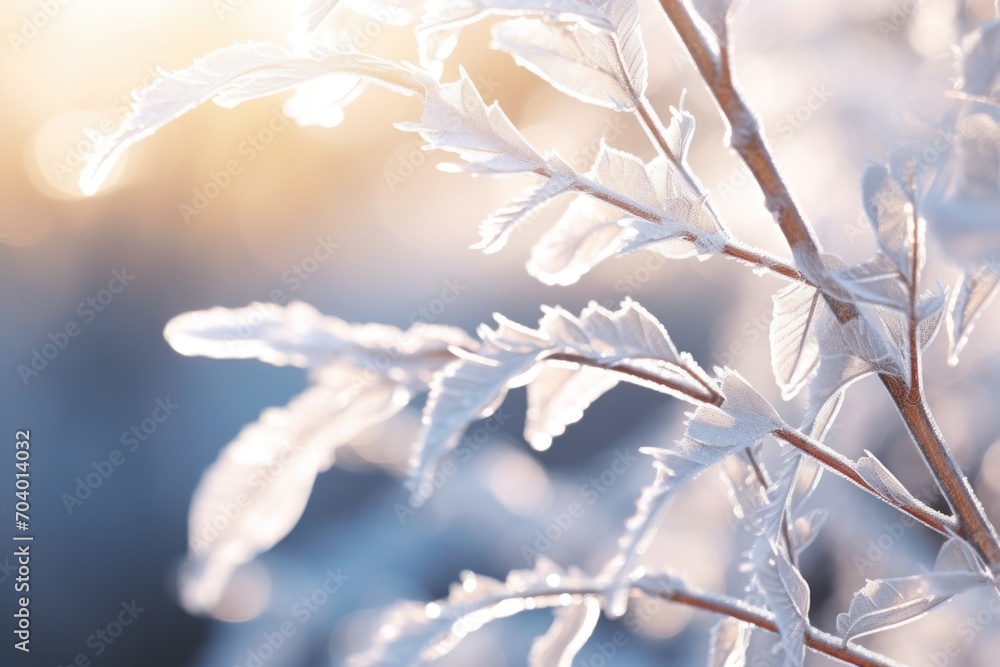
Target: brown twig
712, 61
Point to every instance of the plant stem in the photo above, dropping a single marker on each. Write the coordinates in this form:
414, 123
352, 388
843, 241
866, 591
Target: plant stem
748, 140
732, 249
844, 467
817, 640
829, 458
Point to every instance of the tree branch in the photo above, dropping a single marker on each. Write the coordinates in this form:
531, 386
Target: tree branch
817, 640
748, 140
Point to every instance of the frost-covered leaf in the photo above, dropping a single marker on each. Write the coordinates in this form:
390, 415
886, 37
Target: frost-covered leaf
891, 214
961, 206
883, 481
729, 643
255, 492
311, 13
417, 634
228, 76
601, 67
972, 295
571, 628
457, 119
804, 529
787, 595
471, 388
629, 342
957, 555
713, 433
584, 236
558, 397
438, 31
496, 229
631, 332
592, 230
782, 534
298, 335
849, 351
794, 346
887, 603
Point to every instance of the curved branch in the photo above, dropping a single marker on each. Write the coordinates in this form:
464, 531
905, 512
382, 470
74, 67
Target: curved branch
817, 640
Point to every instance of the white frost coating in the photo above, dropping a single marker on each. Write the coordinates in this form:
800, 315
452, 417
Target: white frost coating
255, 492
571, 628
975, 291
417, 634
299, 335
602, 67
228, 76
713, 433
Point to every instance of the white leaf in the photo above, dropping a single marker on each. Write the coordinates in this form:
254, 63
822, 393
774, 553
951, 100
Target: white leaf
439, 27
631, 332
418, 634
496, 229
577, 58
255, 492
882, 480
629, 342
957, 555
558, 397
804, 529
713, 433
787, 595
299, 335
888, 603
570, 630
794, 348
890, 213
457, 119
684, 227
961, 206
584, 236
470, 389
729, 643
975, 291
229, 76
849, 351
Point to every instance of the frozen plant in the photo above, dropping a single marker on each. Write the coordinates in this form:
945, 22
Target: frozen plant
834, 323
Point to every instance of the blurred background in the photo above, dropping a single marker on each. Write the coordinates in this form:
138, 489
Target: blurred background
836, 84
